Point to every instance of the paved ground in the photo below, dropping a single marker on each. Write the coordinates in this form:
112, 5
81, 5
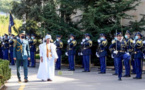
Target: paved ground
78, 81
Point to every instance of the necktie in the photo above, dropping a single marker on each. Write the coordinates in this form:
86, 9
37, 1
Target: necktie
47, 54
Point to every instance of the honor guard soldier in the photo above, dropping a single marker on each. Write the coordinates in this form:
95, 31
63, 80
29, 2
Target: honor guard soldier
129, 50
118, 48
6, 47
33, 50
80, 51
102, 52
71, 52
59, 46
11, 42
112, 55
138, 55
87, 44
28, 38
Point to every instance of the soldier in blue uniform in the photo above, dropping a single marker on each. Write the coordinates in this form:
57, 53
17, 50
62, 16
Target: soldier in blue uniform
71, 52
112, 55
59, 45
21, 53
119, 49
138, 55
28, 38
102, 52
33, 50
129, 50
6, 47
87, 44
11, 42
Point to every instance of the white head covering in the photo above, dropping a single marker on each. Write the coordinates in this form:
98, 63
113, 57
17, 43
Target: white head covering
47, 37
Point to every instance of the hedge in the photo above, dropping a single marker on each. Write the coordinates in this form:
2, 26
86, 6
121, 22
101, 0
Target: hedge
5, 71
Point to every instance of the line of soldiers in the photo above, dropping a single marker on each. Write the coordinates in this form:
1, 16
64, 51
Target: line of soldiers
6, 48
122, 49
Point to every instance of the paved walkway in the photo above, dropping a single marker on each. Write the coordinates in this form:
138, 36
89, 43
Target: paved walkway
77, 81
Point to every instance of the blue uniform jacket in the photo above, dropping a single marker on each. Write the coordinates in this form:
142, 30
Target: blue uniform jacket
87, 47
71, 47
102, 48
59, 46
119, 46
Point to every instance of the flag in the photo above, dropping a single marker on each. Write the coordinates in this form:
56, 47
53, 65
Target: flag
11, 23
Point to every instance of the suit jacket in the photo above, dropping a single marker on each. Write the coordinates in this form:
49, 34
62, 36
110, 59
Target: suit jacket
21, 50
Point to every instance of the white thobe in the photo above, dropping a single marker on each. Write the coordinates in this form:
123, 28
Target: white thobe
47, 67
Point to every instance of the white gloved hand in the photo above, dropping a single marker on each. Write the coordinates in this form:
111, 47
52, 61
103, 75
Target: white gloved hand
83, 40
134, 41
144, 42
97, 55
127, 53
99, 40
81, 53
115, 52
3, 43
9, 51
68, 41
66, 53
112, 56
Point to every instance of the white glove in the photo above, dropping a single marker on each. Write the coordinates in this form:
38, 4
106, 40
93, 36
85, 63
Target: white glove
81, 53
9, 51
144, 42
97, 55
66, 53
99, 40
143, 56
127, 53
115, 52
112, 56
3, 43
68, 41
83, 40
134, 41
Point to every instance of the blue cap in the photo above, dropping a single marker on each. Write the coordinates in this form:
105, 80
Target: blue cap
128, 32
48, 33
32, 35
58, 36
102, 35
138, 33
72, 35
22, 32
87, 34
119, 33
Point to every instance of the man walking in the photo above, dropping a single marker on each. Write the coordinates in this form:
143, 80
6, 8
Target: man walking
21, 53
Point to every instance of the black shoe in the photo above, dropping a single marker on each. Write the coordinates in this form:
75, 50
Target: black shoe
19, 80
101, 73
126, 76
114, 74
137, 78
88, 71
119, 79
25, 80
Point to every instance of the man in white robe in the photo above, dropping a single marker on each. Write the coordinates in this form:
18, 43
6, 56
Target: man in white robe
48, 57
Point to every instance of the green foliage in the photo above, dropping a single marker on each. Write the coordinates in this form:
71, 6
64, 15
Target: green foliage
5, 71
4, 23
98, 16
